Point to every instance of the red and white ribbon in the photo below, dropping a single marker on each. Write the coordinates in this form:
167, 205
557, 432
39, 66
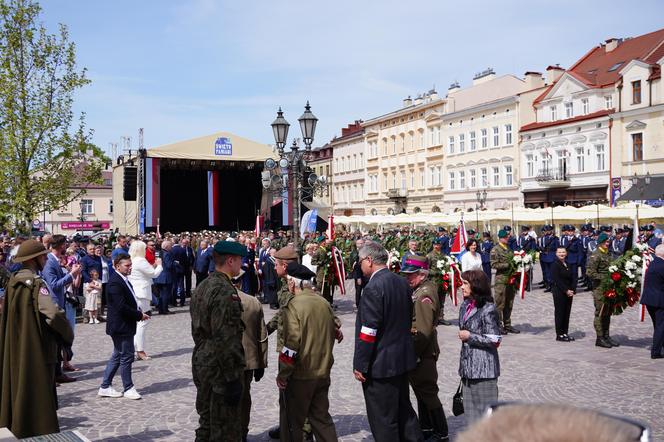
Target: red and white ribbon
453, 273
368, 334
339, 269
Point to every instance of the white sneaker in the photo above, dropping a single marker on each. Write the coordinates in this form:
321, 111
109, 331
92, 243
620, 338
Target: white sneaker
109, 392
132, 394
96, 321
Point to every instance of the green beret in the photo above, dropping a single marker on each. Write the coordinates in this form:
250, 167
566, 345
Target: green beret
230, 248
502, 233
602, 237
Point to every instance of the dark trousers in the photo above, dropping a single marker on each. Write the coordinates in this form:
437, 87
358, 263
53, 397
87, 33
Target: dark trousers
562, 305
486, 266
178, 290
358, 294
187, 282
122, 358
657, 316
389, 411
200, 277
164, 291
582, 264
546, 272
245, 402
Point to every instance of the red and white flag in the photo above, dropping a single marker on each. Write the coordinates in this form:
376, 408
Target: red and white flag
460, 239
330, 227
259, 225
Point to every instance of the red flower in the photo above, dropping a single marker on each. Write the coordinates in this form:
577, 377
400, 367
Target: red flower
616, 276
445, 286
446, 276
512, 280
610, 294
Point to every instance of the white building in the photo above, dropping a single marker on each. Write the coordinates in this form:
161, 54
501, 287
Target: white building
348, 166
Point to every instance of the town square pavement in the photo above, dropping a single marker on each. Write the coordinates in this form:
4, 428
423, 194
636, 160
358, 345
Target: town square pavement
534, 368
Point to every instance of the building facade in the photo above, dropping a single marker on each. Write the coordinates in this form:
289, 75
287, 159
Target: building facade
348, 170
321, 164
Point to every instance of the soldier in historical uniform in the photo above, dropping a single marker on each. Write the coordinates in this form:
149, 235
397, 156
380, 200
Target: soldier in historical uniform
432, 259
504, 291
305, 360
485, 250
444, 241
584, 239
30, 327
617, 244
424, 378
598, 268
547, 245
218, 360
571, 242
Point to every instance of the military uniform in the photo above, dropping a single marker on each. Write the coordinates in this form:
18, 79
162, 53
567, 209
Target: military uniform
424, 378
504, 291
218, 358
596, 269
325, 277
433, 257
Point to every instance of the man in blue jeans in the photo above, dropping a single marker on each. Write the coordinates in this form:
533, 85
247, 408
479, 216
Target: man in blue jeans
123, 314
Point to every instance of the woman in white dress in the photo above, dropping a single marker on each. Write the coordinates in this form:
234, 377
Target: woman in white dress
142, 273
472, 259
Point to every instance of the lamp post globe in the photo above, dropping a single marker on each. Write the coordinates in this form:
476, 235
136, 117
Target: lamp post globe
308, 126
280, 129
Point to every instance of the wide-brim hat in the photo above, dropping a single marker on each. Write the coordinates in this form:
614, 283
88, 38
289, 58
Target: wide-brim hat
29, 249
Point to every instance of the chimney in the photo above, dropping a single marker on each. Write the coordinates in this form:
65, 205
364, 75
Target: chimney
418, 100
611, 44
533, 80
553, 73
407, 101
484, 76
454, 87
433, 95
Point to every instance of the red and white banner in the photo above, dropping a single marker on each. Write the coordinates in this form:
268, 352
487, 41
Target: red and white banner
339, 269
453, 294
460, 239
259, 225
330, 227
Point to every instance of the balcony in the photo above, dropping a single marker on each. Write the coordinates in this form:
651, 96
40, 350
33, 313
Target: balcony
553, 177
397, 193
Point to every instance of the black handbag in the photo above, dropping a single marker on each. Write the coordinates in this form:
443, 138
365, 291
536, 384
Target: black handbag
457, 401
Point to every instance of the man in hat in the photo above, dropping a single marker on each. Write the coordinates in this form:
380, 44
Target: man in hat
485, 250
30, 327
305, 360
650, 238
504, 291
444, 241
432, 260
618, 242
547, 245
598, 268
424, 378
218, 360
583, 255
511, 242
571, 242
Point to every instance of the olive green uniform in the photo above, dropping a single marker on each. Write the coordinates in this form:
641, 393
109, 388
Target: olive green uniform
218, 358
503, 291
434, 272
323, 276
305, 362
596, 268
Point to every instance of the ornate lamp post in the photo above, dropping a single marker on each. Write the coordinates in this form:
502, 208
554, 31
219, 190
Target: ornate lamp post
290, 172
481, 200
82, 215
641, 187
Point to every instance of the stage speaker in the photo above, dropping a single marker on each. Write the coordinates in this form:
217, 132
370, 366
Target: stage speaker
129, 189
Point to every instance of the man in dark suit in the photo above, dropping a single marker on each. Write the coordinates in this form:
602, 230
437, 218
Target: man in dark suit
164, 282
179, 259
384, 352
188, 264
123, 314
653, 299
202, 262
356, 272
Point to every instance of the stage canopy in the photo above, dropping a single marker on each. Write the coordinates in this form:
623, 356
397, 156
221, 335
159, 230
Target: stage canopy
220, 146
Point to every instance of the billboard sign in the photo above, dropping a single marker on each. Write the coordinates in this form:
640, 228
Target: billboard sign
223, 146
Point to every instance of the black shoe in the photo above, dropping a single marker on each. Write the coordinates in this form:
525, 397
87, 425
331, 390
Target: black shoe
274, 307
547, 290
444, 322
613, 342
659, 356
503, 331
562, 338
274, 433
569, 338
601, 342
511, 329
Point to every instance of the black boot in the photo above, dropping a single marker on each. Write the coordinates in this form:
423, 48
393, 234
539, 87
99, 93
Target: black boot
425, 420
275, 432
439, 423
602, 342
610, 340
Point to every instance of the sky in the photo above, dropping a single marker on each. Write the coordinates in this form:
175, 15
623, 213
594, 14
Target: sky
187, 68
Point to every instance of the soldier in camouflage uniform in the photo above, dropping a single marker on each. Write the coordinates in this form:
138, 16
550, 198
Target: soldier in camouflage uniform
218, 357
503, 291
432, 258
325, 271
597, 268
424, 378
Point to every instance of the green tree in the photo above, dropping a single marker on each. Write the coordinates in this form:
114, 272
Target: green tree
45, 153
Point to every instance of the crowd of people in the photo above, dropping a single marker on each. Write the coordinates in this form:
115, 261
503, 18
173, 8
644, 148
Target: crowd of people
122, 281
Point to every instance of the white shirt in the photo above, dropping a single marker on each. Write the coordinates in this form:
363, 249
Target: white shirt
470, 262
306, 261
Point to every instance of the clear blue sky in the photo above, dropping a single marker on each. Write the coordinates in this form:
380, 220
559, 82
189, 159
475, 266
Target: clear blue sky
182, 69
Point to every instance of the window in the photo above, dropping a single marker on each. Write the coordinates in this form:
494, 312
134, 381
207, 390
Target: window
496, 177
431, 183
411, 138
355, 165
584, 105
452, 181
394, 180
361, 162
384, 182
554, 113
637, 147
600, 156
496, 136
403, 180
394, 145
450, 147
87, 207
509, 178
530, 165
421, 139
439, 175
462, 180
412, 179
473, 179
636, 92
485, 179
608, 101
462, 143
110, 206
336, 165
569, 110
508, 134
580, 159
385, 146
473, 144
422, 178
485, 139
402, 138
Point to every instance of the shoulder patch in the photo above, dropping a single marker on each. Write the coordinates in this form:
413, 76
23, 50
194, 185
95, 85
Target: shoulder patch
44, 291
426, 300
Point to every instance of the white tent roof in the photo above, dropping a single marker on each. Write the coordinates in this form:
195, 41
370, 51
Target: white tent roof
220, 146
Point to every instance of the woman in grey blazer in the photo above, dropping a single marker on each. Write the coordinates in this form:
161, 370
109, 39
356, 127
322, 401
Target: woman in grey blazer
479, 332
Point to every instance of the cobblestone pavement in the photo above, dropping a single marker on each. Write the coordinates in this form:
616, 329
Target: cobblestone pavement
535, 368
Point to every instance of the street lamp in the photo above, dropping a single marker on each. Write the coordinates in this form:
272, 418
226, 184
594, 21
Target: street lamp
641, 188
481, 200
82, 217
290, 172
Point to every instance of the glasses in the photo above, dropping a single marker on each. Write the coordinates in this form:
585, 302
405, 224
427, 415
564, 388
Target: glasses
644, 431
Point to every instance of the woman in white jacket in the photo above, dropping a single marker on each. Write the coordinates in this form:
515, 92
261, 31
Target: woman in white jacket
142, 273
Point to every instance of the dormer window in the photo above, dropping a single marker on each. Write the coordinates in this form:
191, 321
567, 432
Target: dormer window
636, 92
569, 110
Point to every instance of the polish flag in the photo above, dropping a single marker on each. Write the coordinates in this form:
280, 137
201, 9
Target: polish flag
330, 227
460, 240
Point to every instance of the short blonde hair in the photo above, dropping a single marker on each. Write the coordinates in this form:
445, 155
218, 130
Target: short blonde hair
137, 249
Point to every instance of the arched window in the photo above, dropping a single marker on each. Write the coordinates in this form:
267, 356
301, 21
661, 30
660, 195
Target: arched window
435, 209
374, 212
417, 210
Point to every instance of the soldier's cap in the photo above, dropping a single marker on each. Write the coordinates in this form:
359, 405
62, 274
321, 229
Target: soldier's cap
502, 233
442, 229
642, 228
29, 249
525, 228
287, 253
649, 228
605, 228
437, 242
471, 232
486, 234
544, 228
584, 228
297, 270
415, 263
507, 228
571, 227
603, 237
619, 230
230, 248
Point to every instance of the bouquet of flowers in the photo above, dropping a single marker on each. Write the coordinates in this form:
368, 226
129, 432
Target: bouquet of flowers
520, 264
394, 261
450, 276
621, 287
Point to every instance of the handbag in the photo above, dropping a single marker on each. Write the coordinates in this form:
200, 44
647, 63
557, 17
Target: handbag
457, 401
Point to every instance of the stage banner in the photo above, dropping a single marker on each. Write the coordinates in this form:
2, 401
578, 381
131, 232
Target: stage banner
213, 197
152, 191
308, 223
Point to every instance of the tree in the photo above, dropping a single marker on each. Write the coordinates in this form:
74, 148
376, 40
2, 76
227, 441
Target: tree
42, 159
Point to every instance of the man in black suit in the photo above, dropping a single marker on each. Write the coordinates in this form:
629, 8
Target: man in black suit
653, 299
123, 314
179, 259
384, 352
188, 264
356, 273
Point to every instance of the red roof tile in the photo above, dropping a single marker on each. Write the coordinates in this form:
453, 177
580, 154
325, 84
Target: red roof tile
597, 114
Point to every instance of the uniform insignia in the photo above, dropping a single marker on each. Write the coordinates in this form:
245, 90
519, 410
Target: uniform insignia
287, 356
426, 300
44, 291
368, 334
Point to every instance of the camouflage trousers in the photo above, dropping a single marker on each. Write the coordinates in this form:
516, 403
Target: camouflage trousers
504, 298
602, 319
217, 421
